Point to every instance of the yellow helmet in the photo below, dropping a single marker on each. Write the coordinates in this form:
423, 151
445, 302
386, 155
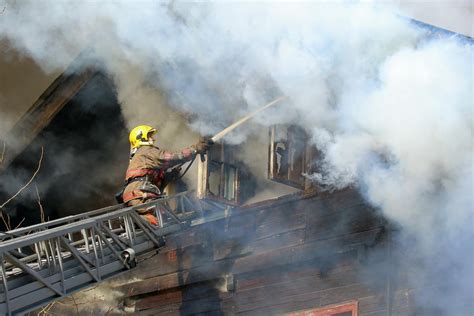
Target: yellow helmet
141, 135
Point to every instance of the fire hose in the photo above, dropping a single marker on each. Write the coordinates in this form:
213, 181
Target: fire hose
230, 128
244, 119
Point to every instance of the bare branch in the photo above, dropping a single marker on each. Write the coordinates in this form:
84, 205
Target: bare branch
5, 218
40, 206
28, 183
19, 224
9, 222
45, 310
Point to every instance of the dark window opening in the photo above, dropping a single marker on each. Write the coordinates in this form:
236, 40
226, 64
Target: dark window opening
288, 155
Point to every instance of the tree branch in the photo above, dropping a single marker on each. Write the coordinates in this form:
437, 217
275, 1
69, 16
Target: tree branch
28, 183
40, 205
5, 218
21, 222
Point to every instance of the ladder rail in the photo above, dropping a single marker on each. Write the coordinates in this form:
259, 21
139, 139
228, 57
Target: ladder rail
72, 218
43, 262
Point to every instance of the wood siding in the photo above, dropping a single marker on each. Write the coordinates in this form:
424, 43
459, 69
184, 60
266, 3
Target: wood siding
273, 258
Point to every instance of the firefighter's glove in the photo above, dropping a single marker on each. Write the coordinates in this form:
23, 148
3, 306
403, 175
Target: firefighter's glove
203, 145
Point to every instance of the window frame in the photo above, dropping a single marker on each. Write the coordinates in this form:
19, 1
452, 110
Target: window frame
203, 189
329, 310
306, 154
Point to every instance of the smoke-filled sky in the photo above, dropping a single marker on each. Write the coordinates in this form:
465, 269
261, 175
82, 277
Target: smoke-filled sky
391, 110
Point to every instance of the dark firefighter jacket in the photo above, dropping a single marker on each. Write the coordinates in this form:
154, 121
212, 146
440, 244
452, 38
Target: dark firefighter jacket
145, 177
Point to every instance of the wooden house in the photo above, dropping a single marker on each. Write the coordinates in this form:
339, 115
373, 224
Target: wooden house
301, 251
298, 250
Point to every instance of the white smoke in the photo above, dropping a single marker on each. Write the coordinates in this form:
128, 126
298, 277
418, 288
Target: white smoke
408, 145
390, 110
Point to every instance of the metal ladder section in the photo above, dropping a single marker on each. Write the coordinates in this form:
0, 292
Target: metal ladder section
47, 261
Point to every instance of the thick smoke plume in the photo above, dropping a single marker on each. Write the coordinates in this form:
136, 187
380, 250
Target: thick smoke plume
390, 109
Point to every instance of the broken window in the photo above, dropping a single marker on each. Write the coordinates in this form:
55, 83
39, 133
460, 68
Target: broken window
288, 155
345, 309
219, 175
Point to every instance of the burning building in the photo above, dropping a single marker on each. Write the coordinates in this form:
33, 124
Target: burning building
281, 245
342, 200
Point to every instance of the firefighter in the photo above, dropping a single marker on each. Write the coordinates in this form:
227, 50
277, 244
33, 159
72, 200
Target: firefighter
146, 175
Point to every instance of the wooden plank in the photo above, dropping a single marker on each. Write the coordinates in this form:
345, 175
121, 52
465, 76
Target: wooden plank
183, 239
310, 300
172, 309
377, 313
179, 295
352, 220
372, 304
301, 290
238, 225
224, 249
161, 299
336, 309
213, 270
231, 248
209, 306
342, 199
353, 291
281, 240
267, 277
277, 221
225, 246
299, 296
276, 270
294, 287
247, 245
307, 251
378, 303
281, 200
164, 296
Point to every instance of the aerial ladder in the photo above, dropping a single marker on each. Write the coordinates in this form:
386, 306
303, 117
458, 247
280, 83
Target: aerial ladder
48, 261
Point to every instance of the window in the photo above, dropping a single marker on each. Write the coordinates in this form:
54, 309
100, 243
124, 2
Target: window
219, 175
345, 309
288, 155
